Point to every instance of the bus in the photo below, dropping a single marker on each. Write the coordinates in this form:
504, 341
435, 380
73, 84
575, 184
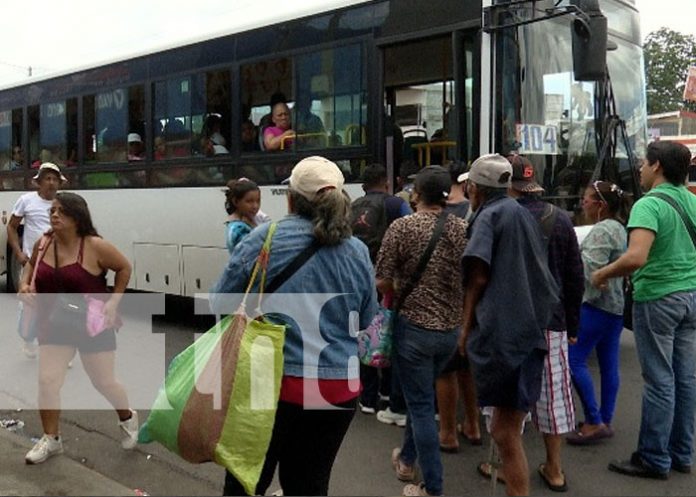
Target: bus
389, 81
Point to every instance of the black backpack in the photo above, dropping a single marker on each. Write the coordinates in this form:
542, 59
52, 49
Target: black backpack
369, 220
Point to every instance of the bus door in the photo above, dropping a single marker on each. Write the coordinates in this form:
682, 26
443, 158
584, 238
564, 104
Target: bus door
428, 101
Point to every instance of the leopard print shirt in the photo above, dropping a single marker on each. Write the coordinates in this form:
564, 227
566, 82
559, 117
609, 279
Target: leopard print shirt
437, 301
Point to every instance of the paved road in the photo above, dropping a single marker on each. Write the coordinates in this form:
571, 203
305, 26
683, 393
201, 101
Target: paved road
362, 468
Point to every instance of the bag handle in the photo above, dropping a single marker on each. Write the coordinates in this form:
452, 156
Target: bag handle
423, 262
685, 219
262, 265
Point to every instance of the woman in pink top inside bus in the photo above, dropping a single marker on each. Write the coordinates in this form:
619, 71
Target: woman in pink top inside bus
280, 133
73, 259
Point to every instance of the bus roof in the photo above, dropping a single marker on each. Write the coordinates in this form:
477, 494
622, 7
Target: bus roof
252, 18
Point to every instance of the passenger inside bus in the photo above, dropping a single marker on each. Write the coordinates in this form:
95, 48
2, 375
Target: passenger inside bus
250, 142
178, 139
210, 149
267, 120
16, 161
212, 129
135, 147
308, 124
44, 156
160, 148
279, 136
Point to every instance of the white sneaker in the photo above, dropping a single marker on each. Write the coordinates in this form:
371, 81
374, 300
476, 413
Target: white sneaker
391, 418
47, 446
366, 409
30, 349
129, 428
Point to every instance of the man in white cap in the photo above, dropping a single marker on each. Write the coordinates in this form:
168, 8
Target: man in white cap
33, 208
509, 296
135, 147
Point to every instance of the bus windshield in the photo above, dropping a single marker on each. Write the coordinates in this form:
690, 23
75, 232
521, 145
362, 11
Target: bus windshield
548, 116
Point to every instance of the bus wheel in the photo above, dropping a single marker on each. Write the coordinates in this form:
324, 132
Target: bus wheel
14, 270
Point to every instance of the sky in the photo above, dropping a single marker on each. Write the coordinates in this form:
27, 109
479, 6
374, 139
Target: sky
56, 36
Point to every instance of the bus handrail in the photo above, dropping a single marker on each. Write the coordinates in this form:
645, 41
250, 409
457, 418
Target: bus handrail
303, 135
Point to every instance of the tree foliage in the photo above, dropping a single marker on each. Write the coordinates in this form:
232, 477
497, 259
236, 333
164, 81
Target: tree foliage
668, 55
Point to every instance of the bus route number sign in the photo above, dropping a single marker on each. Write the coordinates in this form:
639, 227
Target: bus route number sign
537, 139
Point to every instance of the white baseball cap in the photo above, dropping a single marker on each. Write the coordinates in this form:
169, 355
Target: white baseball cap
134, 138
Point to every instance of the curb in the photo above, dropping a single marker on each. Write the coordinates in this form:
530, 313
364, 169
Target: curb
60, 475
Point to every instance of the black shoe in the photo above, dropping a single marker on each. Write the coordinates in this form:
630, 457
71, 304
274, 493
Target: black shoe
636, 467
681, 468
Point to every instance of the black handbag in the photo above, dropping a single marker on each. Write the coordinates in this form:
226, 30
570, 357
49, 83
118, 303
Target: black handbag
69, 311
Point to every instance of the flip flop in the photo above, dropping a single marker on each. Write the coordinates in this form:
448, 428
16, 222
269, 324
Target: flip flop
484, 469
555, 488
470, 440
449, 449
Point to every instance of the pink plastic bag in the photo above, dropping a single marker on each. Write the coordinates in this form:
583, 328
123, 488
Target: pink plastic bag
96, 320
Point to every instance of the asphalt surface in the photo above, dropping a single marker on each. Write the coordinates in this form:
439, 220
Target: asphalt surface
362, 468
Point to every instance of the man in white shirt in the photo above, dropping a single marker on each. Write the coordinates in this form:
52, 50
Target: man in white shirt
33, 208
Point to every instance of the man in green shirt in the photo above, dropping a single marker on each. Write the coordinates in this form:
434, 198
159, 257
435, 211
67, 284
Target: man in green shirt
663, 256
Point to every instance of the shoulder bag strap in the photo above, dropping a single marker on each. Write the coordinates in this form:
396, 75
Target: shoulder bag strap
43, 248
56, 272
293, 267
684, 217
423, 262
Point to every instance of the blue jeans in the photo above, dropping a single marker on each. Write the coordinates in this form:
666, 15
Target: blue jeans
599, 330
422, 355
665, 331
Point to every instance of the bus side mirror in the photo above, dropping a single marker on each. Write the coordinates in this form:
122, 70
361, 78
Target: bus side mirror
589, 33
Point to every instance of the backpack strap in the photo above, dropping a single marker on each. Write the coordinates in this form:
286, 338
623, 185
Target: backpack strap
688, 224
548, 221
423, 262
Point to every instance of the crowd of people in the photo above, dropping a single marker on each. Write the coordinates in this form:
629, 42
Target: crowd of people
496, 303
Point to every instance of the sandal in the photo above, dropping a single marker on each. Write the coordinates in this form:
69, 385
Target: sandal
485, 469
449, 449
472, 441
404, 472
563, 487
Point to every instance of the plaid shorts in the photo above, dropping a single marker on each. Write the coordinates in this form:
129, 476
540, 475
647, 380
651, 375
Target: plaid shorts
555, 412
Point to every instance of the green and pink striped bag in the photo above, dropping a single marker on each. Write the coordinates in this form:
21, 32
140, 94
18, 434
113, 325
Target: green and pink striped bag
220, 395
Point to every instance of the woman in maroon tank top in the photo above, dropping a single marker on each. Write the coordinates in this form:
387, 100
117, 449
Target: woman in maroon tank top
74, 259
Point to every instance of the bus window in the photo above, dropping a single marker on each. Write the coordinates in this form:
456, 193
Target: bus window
110, 117
11, 153
214, 133
330, 105
192, 115
53, 133
263, 84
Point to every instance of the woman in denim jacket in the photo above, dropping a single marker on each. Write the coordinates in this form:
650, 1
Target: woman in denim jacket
322, 305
